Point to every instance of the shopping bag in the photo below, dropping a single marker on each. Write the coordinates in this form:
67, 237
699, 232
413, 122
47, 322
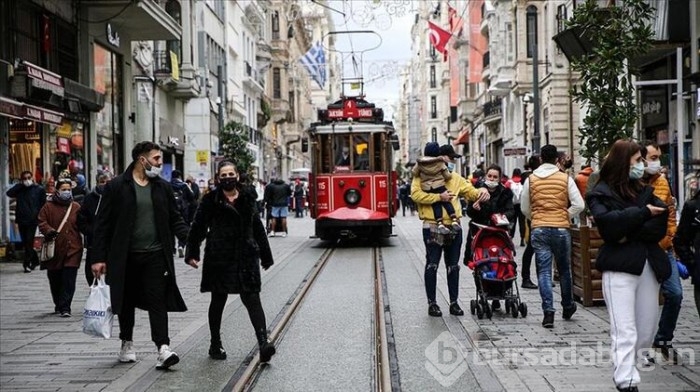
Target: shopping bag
97, 316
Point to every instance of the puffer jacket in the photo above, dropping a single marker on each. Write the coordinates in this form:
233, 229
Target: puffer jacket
432, 172
630, 233
457, 185
663, 191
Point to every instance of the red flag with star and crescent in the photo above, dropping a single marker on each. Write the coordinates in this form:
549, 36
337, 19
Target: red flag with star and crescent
439, 37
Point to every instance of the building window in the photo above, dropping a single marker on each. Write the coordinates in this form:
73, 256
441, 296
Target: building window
561, 18
433, 107
433, 53
108, 125
433, 82
276, 83
433, 134
531, 30
509, 43
275, 21
291, 106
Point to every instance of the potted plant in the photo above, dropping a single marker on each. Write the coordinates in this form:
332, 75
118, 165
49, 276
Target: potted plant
616, 34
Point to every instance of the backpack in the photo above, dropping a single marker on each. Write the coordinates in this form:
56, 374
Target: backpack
517, 189
180, 201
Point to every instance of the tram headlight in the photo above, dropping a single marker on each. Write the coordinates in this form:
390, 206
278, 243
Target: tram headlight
352, 197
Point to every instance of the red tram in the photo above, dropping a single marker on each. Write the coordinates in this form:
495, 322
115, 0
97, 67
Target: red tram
352, 184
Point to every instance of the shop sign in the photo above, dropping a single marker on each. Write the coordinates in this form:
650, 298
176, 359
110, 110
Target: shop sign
63, 145
43, 115
654, 107
44, 79
11, 108
202, 156
64, 130
514, 152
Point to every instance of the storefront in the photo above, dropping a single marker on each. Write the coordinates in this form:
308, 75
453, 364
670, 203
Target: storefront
171, 140
109, 139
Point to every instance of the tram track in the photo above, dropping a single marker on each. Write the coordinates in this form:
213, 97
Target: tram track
385, 372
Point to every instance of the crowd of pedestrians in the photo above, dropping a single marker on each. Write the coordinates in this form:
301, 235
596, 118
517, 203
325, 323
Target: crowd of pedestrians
134, 224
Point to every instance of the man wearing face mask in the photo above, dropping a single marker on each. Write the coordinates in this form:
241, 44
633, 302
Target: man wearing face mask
671, 288
88, 215
30, 198
550, 199
133, 241
344, 159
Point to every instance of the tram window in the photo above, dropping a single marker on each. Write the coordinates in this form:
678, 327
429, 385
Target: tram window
378, 148
324, 150
362, 151
342, 150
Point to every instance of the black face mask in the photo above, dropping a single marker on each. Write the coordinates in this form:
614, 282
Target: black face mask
228, 183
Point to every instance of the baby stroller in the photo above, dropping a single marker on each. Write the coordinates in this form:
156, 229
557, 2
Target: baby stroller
494, 273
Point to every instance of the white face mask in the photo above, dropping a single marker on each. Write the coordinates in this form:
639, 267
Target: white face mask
27, 182
491, 184
653, 167
151, 171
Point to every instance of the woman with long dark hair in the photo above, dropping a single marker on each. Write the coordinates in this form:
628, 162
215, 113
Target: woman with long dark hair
236, 247
631, 221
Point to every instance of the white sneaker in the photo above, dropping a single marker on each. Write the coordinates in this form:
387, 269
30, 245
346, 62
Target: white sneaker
166, 358
284, 235
181, 252
127, 353
272, 234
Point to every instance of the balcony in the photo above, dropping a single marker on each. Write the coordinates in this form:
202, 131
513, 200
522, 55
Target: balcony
280, 110
173, 82
145, 20
252, 79
493, 111
486, 71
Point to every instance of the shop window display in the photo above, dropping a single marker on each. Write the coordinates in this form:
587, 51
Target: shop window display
68, 154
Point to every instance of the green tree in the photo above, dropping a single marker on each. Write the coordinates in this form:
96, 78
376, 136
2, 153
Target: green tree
233, 140
618, 33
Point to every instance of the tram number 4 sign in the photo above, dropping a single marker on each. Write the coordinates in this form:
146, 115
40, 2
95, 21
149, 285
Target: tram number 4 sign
516, 151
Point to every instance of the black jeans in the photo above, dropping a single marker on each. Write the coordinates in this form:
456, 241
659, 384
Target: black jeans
519, 221
27, 232
145, 286
527, 257
62, 283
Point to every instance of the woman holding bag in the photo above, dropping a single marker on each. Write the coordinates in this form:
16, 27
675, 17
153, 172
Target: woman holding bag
58, 221
236, 247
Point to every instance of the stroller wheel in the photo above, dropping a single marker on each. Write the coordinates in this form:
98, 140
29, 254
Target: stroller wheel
488, 312
472, 306
507, 305
514, 311
523, 309
479, 312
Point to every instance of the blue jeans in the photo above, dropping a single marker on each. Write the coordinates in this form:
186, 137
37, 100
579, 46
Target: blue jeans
548, 242
433, 253
673, 296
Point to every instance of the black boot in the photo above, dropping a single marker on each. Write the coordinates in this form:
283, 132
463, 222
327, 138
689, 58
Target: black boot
216, 350
27, 266
527, 284
267, 349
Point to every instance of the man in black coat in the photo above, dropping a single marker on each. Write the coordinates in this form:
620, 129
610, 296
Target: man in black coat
87, 216
30, 198
133, 241
277, 194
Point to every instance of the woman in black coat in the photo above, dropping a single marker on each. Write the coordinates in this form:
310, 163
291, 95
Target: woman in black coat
686, 243
501, 202
236, 246
631, 222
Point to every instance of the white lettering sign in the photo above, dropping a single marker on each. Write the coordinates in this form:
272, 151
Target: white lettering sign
112, 38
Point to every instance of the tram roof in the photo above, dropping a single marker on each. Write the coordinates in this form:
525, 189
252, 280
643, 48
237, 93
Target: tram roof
352, 127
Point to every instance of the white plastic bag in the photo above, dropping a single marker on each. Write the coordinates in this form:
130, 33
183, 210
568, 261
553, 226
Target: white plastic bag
97, 316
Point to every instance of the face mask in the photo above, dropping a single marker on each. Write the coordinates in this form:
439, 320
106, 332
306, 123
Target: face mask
27, 182
491, 184
637, 171
151, 171
229, 183
653, 167
450, 166
65, 195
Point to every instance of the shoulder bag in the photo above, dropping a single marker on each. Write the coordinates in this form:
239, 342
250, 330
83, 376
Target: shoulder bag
48, 247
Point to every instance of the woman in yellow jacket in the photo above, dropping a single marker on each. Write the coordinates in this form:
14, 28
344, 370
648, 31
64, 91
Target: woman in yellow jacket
671, 287
450, 244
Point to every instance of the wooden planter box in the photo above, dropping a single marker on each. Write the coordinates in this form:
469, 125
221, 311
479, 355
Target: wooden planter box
587, 282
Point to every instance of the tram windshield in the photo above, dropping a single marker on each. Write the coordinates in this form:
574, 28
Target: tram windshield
356, 152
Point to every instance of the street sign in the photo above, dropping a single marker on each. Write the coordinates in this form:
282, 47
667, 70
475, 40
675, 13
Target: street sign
515, 151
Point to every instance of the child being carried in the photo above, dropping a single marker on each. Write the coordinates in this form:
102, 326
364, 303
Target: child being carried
433, 173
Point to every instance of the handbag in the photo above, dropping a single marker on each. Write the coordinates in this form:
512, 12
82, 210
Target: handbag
48, 247
98, 318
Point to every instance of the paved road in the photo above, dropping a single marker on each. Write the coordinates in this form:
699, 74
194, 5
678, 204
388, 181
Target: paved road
41, 352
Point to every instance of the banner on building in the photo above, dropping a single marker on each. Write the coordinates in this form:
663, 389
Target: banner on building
456, 30
315, 63
477, 42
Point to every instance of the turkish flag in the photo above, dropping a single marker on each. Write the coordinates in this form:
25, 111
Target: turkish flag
439, 38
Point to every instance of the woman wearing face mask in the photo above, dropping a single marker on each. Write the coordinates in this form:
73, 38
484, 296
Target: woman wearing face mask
631, 221
236, 247
63, 268
501, 202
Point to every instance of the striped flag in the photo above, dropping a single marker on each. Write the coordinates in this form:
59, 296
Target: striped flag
315, 62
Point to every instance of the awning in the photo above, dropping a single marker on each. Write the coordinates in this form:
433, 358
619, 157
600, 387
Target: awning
11, 108
144, 20
42, 115
89, 98
463, 137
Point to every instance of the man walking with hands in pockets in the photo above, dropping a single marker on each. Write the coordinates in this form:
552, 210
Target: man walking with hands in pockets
133, 241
